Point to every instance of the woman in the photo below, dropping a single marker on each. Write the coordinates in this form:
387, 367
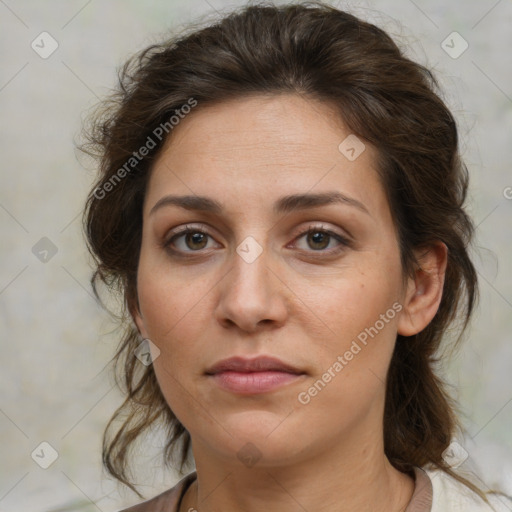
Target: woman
280, 204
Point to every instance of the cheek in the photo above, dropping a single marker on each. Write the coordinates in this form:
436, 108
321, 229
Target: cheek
352, 361
169, 298
173, 313
170, 310
359, 314
355, 300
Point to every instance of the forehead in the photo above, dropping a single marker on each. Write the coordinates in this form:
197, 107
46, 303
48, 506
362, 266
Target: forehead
284, 123
264, 146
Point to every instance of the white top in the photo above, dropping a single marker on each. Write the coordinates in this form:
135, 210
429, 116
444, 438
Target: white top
450, 495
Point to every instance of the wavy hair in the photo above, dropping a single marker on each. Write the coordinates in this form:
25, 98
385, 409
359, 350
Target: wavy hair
393, 103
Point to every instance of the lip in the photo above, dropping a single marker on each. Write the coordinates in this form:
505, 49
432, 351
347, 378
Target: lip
257, 364
251, 376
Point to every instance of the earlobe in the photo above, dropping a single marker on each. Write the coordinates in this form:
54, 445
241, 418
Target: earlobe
137, 318
424, 290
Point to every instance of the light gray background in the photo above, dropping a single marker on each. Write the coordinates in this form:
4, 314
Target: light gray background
55, 339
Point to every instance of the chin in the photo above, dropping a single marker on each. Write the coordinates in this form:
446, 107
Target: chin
257, 436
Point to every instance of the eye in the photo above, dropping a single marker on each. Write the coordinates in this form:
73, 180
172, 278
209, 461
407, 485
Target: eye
189, 237
318, 238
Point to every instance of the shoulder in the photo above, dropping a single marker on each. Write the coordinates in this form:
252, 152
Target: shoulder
167, 501
450, 494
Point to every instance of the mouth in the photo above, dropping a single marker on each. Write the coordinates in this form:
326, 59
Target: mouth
252, 376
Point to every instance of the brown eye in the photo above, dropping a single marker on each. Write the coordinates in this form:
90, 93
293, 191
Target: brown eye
319, 239
196, 240
188, 240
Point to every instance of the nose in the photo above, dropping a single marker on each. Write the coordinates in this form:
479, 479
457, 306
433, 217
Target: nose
251, 295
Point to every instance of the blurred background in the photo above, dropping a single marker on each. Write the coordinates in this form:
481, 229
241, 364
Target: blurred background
58, 59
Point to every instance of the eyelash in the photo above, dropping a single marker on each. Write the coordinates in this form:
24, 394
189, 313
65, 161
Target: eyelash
343, 241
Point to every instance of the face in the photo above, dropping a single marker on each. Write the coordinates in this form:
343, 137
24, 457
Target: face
248, 280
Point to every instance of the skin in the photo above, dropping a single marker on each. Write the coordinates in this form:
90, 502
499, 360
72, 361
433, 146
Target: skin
300, 301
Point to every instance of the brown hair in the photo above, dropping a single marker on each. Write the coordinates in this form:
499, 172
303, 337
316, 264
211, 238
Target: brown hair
322, 53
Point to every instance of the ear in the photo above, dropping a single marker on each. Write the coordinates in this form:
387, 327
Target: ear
137, 317
424, 290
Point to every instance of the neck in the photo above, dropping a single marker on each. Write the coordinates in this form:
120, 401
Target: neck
355, 476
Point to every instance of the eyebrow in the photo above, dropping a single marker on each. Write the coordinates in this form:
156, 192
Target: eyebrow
285, 204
